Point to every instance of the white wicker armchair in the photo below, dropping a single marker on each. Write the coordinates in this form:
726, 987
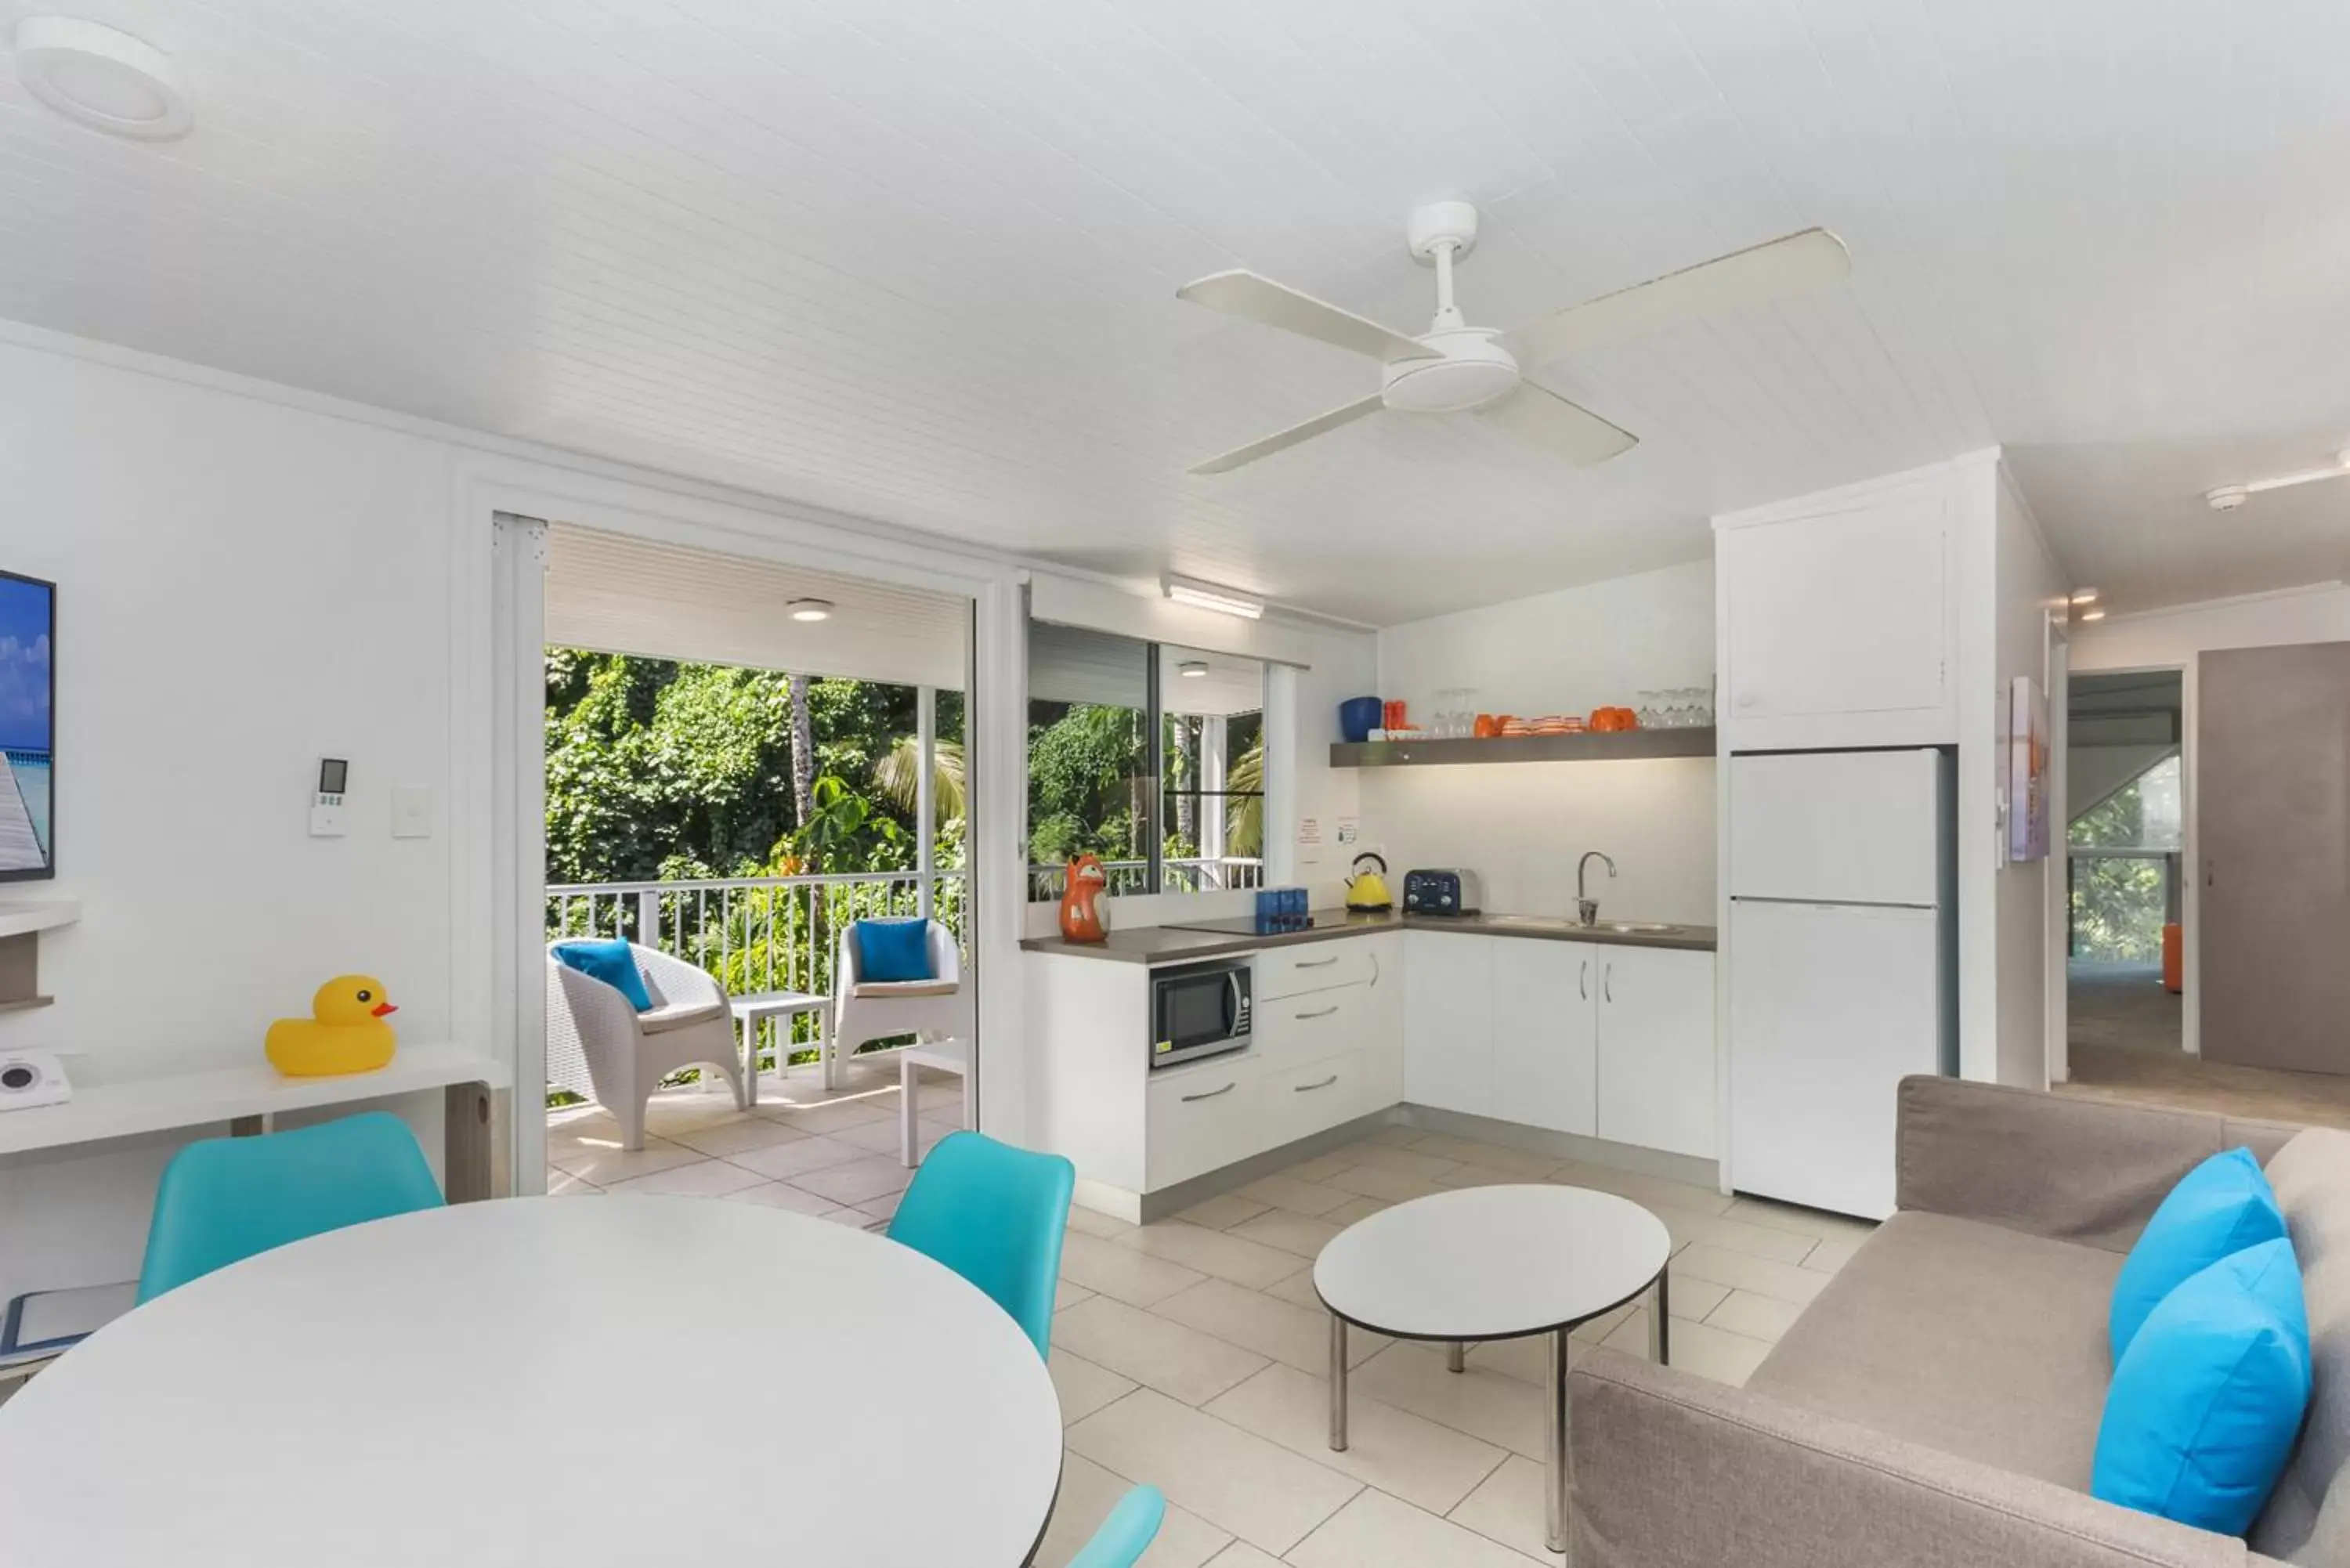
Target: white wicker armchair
600, 1046
865, 1010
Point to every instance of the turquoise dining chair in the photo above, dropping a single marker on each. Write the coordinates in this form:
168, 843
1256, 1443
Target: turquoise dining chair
1127, 1533
993, 1214
228, 1197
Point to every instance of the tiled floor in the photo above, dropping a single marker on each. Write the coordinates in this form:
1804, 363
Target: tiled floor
1189, 1353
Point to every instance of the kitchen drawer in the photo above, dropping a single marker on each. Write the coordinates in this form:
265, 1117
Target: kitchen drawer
1311, 1025
1313, 966
1201, 1118
1303, 1100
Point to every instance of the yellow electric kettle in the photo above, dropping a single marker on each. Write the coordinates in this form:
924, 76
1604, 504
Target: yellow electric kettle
1367, 891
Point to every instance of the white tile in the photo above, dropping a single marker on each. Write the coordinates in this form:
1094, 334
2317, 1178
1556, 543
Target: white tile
1122, 1274
1692, 1298
1640, 1189
563, 1184
1297, 1290
1812, 1222
1157, 1351
1403, 1161
1355, 1209
736, 1137
709, 1178
1719, 1230
1295, 1194
882, 1208
1301, 1234
1784, 1281
1377, 1531
1225, 1255
857, 1181
782, 1161
1521, 1163
885, 1137
1094, 1222
1744, 1312
1512, 1506
1241, 1555
1830, 1256
1222, 1211
830, 1118
1373, 1181
1467, 1175
1295, 1336
674, 1111
1698, 1348
1484, 1401
606, 1164
1084, 1387
1087, 1494
1260, 1491
1320, 1166
784, 1195
1420, 1460
1065, 1294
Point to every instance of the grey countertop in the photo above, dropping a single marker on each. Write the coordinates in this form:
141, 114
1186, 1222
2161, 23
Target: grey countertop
1172, 944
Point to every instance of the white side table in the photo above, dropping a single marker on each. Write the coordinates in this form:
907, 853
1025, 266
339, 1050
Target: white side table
749, 1010
948, 1056
1494, 1262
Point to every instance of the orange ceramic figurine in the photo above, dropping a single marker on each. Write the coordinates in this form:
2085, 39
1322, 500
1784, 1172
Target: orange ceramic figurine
1080, 921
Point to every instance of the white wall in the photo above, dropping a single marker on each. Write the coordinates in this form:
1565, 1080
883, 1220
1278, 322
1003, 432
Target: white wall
1303, 784
1524, 825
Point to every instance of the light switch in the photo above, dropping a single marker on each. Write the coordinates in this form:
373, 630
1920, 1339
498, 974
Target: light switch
412, 813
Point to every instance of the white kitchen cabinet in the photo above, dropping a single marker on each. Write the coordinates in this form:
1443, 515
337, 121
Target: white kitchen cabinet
1837, 628
1299, 1102
1201, 1117
1381, 1044
1310, 1026
1447, 1015
1313, 966
1656, 1059
1544, 1033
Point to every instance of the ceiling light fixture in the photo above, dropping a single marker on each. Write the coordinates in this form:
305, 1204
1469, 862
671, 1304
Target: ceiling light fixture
100, 78
2228, 497
2093, 615
810, 609
2085, 596
1208, 595
1192, 669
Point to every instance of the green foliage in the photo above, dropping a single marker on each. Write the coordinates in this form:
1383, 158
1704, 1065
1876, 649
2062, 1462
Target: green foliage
2119, 901
1087, 775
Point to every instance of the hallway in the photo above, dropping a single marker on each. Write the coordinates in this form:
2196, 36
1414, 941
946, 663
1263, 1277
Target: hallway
2125, 1045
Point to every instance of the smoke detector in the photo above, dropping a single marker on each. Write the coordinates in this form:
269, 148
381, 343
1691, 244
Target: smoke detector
2228, 497
101, 77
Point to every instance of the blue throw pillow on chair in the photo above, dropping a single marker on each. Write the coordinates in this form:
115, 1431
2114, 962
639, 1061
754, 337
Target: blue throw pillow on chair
2203, 1410
2222, 1206
613, 963
893, 949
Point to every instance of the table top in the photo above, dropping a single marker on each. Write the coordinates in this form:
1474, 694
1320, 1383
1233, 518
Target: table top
776, 1001
1492, 1262
585, 1382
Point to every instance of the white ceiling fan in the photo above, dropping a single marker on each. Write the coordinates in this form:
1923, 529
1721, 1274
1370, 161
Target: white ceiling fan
1454, 367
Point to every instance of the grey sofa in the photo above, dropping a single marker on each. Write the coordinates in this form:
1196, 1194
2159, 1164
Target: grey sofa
1938, 1403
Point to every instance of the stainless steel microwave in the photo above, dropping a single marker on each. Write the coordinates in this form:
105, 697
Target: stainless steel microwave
1200, 1010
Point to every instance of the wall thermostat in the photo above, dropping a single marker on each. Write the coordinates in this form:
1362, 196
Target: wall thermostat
32, 1078
327, 801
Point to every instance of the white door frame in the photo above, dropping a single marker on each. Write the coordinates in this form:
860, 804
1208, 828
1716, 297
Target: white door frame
497, 821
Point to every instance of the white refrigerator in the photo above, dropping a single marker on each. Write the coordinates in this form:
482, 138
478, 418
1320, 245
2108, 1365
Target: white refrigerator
1843, 964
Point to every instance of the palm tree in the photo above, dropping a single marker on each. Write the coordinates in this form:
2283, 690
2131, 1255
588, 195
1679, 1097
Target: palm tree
1245, 808
897, 775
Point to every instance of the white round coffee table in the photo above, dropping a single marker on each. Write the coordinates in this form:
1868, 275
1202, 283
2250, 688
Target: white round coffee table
1494, 1262
545, 1380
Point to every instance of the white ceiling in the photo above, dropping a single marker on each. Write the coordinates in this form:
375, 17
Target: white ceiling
918, 261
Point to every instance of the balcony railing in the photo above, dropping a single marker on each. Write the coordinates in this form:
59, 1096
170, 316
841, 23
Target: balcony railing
1191, 874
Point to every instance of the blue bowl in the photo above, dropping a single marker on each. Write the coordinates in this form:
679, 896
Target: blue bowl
1358, 717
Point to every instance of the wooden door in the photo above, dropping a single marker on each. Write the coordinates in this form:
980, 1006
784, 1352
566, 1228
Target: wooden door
2273, 812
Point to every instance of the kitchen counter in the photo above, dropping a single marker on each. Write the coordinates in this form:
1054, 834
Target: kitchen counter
1174, 944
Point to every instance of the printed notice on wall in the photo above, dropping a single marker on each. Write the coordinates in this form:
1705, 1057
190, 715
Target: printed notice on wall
1350, 828
1309, 833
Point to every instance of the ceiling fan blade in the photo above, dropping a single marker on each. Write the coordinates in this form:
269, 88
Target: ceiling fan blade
1225, 462
1775, 267
1550, 421
1243, 293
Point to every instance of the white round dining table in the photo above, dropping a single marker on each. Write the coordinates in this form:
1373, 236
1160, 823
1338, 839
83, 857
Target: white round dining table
574, 1382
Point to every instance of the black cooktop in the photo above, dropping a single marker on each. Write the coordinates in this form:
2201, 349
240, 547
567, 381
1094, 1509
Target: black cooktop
1276, 925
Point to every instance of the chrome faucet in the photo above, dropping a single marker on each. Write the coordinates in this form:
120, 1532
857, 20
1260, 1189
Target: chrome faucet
1586, 908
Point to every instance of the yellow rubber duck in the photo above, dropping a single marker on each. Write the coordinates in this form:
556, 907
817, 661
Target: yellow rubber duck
345, 1034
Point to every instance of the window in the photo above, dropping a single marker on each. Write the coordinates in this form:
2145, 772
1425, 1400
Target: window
1150, 757
2124, 863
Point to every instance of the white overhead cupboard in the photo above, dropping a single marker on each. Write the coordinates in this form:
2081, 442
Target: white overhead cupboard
1604, 1041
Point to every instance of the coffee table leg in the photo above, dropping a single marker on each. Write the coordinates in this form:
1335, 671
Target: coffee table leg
1659, 1321
1338, 1384
1560, 1463
1456, 1356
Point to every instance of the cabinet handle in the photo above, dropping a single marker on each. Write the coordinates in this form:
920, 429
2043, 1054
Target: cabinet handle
1309, 1088
1323, 1012
1607, 981
1375, 971
1317, 963
1583, 982
1211, 1094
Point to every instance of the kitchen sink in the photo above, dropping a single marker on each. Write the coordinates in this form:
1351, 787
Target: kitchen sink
1634, 928
1563, 923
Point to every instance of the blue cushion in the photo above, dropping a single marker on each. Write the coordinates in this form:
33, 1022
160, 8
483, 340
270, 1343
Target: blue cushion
2204, 1407
2222, 1206
611, 962
893, 949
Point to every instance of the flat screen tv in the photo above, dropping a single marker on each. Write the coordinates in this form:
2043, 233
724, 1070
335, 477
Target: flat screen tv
28, 728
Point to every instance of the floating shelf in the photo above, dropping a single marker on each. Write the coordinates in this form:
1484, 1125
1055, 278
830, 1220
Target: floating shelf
20, 957
1591, 746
